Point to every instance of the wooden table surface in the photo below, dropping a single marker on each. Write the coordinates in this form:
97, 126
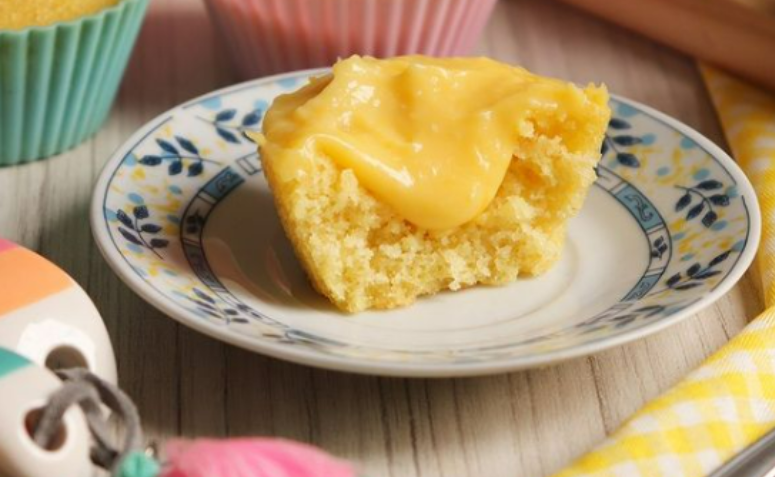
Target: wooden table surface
521, 424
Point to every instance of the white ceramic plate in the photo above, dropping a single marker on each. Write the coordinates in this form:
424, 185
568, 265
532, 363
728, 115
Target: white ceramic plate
184, 216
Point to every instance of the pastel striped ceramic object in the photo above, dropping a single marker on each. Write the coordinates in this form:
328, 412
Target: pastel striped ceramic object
271, 36
47, 317
57, 82
24, 388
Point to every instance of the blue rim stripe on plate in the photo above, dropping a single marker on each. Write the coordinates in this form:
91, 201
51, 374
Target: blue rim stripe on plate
644, 212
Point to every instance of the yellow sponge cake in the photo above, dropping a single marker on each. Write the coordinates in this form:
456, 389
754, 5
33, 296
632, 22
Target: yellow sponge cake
403, 177
19, 14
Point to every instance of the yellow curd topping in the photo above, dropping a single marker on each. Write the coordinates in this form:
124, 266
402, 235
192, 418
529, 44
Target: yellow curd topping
18, 14
432, 138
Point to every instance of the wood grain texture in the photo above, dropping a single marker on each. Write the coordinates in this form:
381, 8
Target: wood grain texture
521, 424
732, 34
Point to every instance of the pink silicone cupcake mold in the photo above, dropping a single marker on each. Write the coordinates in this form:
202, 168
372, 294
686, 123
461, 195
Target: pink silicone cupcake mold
272, 36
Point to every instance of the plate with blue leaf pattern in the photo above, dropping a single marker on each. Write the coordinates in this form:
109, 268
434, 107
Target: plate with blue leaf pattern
184, 216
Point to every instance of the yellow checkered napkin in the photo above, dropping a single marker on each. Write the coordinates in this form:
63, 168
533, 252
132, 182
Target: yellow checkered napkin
729, 402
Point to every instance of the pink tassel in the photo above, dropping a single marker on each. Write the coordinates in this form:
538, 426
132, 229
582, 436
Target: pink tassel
250, 458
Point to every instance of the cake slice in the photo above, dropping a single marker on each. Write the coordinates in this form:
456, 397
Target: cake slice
404, 177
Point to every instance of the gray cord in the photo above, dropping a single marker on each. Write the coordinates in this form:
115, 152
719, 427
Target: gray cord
89, 392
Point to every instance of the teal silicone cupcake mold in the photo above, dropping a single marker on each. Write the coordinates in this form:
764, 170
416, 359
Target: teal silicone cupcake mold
58, 82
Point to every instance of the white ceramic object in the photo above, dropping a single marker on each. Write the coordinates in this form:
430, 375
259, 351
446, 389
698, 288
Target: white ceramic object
47, 317
24, 388
184, 216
